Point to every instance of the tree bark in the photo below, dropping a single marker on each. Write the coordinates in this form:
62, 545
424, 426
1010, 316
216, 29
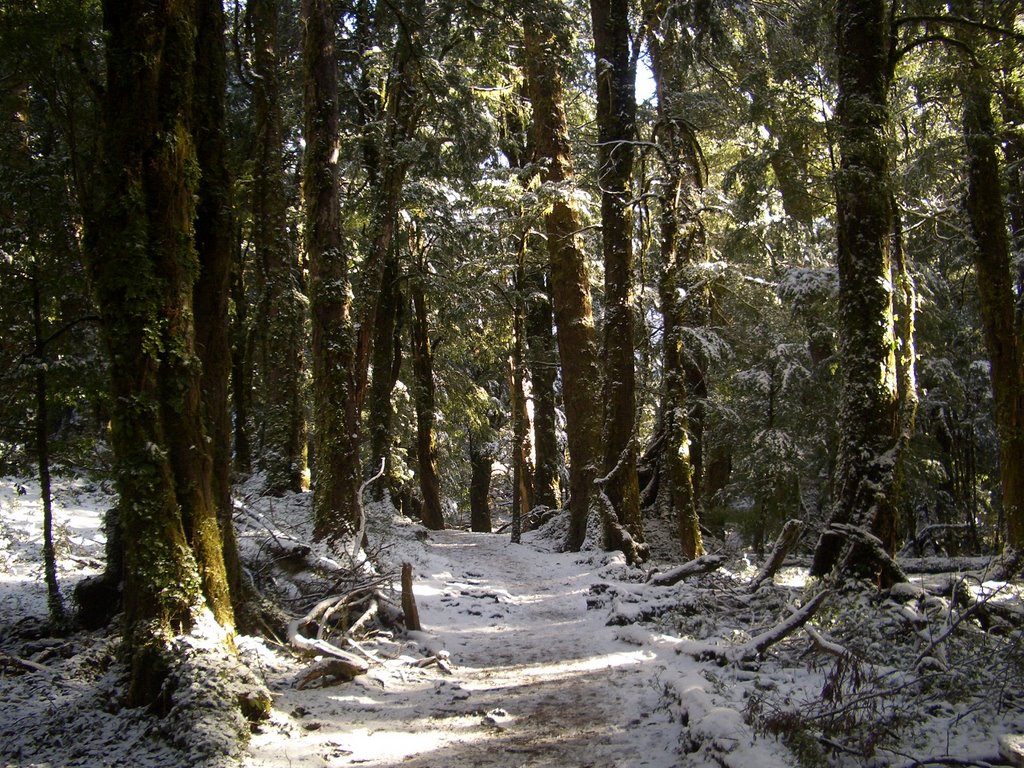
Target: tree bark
542, 362
387, 363
481, 460
987, 213
241, 370
143, 264
336, 437
214, 232
681, 241
869, 410
283, 456
545, 41
522, 476
423, 394
393, 121
616, 118
55, 602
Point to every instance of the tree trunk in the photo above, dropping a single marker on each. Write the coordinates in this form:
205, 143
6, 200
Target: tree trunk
481, 461
423, 394
336, 437
214, 233
869, 411
522, 476
616, 118
284, 437
143, 264
398, 107
987, 215
681, 241
387, 363
545, 43
542, 362
241, 379
55, 602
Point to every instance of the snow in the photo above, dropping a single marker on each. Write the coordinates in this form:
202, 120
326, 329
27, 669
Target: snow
548, 659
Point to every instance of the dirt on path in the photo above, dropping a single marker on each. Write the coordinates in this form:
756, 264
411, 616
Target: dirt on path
536, 679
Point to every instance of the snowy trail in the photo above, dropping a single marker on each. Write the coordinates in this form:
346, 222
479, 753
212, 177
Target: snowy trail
538, 680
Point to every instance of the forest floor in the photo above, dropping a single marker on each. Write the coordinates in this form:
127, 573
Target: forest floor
548, 659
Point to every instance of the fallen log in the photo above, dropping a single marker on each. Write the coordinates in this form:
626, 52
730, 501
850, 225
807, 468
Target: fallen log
703, 564
787, 540
331, 671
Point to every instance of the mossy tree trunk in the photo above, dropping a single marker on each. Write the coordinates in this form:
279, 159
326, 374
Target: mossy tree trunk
546, 42
870, 407
283, 456
335, 424
214, 235
143, 263
616, 129
681, 243
987, 213
391, 116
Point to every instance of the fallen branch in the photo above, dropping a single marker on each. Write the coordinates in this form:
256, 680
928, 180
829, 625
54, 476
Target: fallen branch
11, 662
320, 647
703, 564
787, 540
340, 669
357, 542
756, 646
987, 761
825, 645
442, 659
368, 615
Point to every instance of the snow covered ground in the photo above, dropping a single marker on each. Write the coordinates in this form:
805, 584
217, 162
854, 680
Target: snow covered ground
552, 659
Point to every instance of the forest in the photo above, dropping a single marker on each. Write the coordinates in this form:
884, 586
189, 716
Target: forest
673, 283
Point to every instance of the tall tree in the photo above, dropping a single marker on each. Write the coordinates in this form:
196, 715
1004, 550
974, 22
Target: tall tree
283, 304
542, 362
214, 233
616, 118
336, 439
545, 46
681, 241
143, 263
1000, 323
426, 406
869, 410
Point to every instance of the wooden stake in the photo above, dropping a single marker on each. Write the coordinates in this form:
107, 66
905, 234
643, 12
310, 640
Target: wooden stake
412, 614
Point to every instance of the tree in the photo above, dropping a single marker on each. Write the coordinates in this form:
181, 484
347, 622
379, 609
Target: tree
284, 425
616, 134
426, 403
869, 411
214, 231
545, 43
681, 241
1000, 322
335, 413
143, 263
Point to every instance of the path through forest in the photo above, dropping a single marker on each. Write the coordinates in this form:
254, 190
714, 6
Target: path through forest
537, 679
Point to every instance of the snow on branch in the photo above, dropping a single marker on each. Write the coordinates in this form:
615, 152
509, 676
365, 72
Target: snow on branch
703, 564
